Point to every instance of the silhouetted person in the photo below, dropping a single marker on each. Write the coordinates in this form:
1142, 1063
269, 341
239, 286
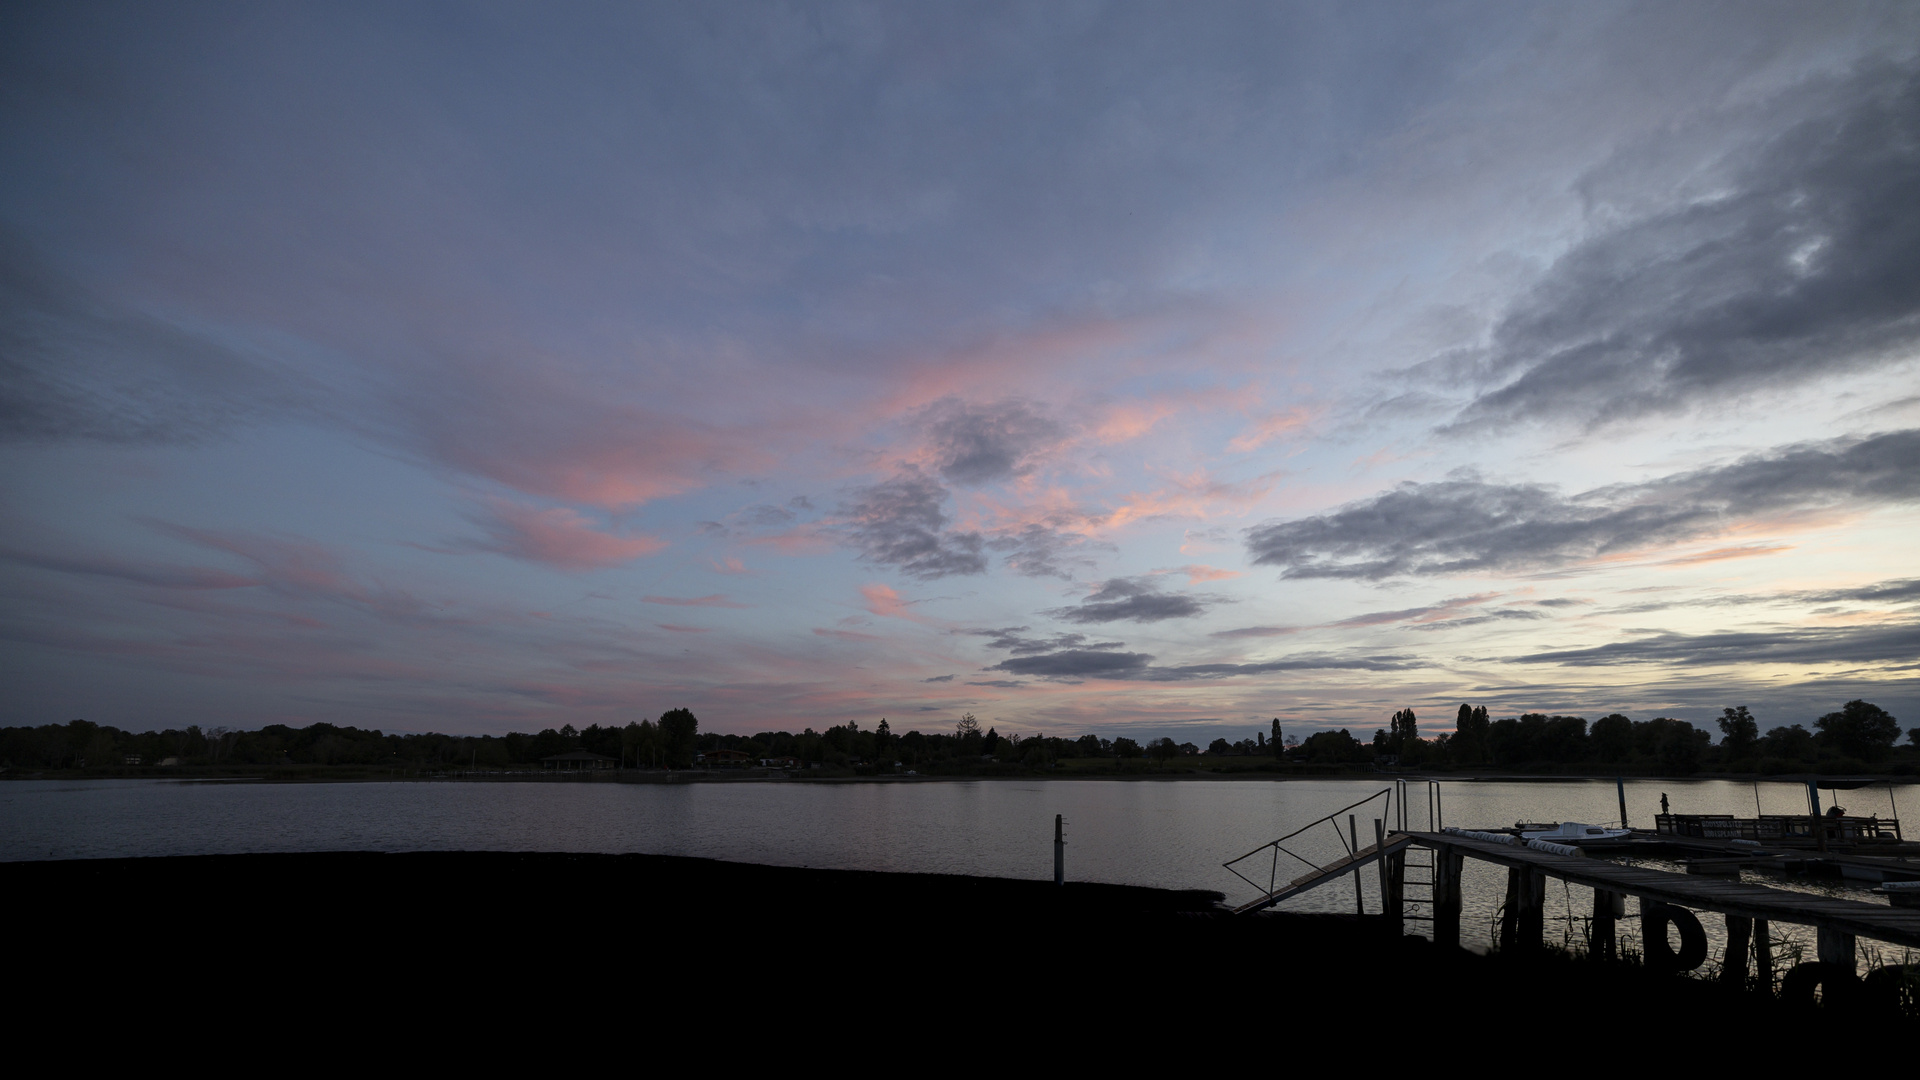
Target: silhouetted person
1663, 802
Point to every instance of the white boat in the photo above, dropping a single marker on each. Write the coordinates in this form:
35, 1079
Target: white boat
1573, 832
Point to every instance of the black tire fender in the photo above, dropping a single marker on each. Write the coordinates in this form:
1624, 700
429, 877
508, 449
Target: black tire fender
1653, 931
1839, 981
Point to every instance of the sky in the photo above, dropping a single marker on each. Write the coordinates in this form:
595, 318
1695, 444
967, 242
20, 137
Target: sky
1146, 369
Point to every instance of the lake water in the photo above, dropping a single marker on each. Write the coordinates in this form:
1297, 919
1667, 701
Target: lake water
1171, 834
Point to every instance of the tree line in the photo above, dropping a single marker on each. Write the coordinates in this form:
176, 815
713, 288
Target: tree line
1857, 736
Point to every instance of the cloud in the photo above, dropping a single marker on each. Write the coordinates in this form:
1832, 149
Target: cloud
1850, 645
1088, 663
1297, 662
883, 601
1009, 638
1895, 591
717, 600
557, 537
846, 635
1000, 684
982, 444
938, 678
143, 573
1507, 614
1270, 428
766, 517
1037, 550
1199, 574
73, 366
1804, 261
1429, 613
1076, 663
678, 629
1257, 632
900, 523
1467, 525
1135, 600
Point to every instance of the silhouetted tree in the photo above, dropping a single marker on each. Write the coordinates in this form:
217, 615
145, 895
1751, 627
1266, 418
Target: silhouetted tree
1739, 731
679, 732
1860, 729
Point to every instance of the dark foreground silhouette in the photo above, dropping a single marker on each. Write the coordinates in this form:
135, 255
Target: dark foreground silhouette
478, 945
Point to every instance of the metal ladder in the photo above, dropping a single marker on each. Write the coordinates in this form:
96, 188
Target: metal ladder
1418, 869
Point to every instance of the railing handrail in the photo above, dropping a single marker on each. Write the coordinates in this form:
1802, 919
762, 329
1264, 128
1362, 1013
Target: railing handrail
1316, 821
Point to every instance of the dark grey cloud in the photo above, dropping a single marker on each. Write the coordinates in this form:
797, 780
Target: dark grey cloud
1010, 639
1464, 524
73, 366
1805, 261
939, 678
1109, 663
901, 523
1297, 662
1495, 615
1851, 644
984, 443
143, 573
766, 516
1037, 550
1077, 663
1896, 591
1135, 600
1000, 684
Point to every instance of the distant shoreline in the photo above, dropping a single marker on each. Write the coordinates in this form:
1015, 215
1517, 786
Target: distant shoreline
352, 775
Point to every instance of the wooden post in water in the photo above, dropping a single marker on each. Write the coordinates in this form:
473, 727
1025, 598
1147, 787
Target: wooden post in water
1448, 865
1762, 955
1533, 910
1620, 786
1819, 826
1392, 880
1510, 914
1604, 945
1353, 845
1059, 852
1734, 971
1836, 948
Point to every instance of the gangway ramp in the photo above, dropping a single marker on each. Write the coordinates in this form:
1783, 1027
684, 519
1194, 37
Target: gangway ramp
1333, 871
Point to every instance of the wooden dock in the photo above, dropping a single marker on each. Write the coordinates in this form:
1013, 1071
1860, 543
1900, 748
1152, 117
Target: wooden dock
1665, 898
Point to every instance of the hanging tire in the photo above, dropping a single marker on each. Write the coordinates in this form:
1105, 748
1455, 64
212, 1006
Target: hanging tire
1840, 984
1653, 934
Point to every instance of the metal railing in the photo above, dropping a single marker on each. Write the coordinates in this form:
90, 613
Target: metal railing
1347, 841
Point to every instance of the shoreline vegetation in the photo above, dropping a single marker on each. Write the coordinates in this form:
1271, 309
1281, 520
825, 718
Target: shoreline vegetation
704, 922
1857, 740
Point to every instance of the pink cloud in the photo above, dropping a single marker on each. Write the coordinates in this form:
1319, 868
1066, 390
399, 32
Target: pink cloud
846, 635
1272, 427
559, 537
716, 600
882, 600
559, 433
729, 566
1198, 573
685, 629
1193, 495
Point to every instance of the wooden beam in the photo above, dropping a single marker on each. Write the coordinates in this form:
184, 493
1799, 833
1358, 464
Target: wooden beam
1533, 910
1604, 946
1448, 865
1836, 948
1734, 970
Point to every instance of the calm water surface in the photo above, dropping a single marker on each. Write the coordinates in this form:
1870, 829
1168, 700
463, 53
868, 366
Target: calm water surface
1172, 834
